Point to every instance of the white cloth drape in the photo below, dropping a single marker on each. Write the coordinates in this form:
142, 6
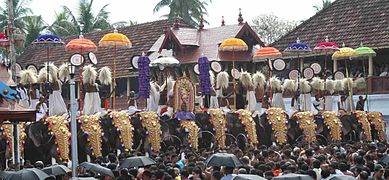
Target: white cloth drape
306, 102
57, 105
329, 103
251, 101
214, 104
92, 103
278, 101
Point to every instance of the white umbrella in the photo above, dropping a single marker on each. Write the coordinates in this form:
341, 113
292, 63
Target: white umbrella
165, 62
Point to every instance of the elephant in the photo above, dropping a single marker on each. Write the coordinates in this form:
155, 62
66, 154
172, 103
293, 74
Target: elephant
39, 143
206, 134
351, 129
235, 128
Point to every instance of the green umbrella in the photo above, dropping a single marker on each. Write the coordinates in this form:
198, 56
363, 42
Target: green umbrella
364, 52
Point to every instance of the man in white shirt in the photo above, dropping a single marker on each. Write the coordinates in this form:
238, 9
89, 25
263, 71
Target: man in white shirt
41, 108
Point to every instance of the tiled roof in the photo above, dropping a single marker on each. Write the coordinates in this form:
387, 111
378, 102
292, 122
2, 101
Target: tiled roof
350, 21
206, 41
142, 37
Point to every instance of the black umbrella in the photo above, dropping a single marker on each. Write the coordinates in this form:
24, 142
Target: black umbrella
136, 161
30, 174
247, 177
293, 177
97, 169
56, 170
341, 177
5, 174
223, 159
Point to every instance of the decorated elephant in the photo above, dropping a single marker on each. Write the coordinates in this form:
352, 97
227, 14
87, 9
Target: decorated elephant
39, 144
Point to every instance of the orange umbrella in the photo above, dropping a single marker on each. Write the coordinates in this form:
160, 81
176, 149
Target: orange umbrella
81, 45
115, 40
266, 54
233, 44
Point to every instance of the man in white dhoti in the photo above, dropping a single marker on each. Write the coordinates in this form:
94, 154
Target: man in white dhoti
41, 108
153, 100
276, 87
92, 101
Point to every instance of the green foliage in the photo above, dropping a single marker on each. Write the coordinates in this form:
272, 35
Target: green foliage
324, 4
190, 10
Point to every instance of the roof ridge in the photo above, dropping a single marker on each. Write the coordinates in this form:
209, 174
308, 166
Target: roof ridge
307, 21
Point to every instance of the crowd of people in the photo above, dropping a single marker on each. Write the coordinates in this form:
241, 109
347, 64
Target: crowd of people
364, 161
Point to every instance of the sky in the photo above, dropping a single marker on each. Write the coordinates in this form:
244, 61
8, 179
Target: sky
142, 10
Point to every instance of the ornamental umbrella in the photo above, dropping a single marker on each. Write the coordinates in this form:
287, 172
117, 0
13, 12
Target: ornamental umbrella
136, 161
56, 170
328, 48
81, 45
267, 54
346, 53
233, 44
115, 40
298, 49
223, 159
48, 40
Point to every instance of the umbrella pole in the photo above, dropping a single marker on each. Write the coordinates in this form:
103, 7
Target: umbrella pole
48, 78
268, 79
233, 78
367, 93
80, 106
114, 77
349, 88
300, 99
325, 80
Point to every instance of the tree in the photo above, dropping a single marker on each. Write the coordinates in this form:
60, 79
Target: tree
62, 25
270, 27
324, 4
190, 10
20, 12
89, 21
34, 25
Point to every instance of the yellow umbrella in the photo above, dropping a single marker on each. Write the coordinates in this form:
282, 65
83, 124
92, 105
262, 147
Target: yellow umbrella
115, 40
233, 44
345, 53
